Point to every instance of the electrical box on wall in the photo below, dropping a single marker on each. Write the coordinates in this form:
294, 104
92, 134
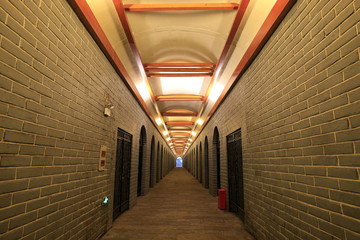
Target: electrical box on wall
102, 159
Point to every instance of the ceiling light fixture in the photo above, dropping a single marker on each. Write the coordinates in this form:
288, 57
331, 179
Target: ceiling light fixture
193, 133
168, 139
143, 90
216, 92
200, 122
158, 121
165, 133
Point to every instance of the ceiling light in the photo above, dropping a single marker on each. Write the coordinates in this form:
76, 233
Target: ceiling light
168, 139
193, 133
158, 121
200, 122
190, 140
165, 133
216, 92
143, 90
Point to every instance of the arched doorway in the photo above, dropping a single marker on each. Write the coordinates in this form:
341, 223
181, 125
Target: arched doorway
216, 157
179, 162
152, 165
142, 154
206, 163
161, 161
158, 162
200, 164
122, 173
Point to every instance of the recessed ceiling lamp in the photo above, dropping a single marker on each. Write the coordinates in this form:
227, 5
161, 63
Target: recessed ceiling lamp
190, 140
165, 133
158, 121
143, 90
193, 133
216, 92
200, 122
168, 139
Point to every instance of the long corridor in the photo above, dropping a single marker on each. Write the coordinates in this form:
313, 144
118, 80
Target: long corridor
177, 208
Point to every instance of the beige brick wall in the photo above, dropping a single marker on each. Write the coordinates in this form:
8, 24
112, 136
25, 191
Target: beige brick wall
298, 106
53, 83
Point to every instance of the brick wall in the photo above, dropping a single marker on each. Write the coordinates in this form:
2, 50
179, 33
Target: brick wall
53, 88
298, 106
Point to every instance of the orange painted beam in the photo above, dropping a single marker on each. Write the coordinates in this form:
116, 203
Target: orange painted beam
182, 97
181, 6
164, 64
182, 130
163, 69
272, 21
126, 27
233, 30
179, 74
274, 18
88, 18
179, 114
179, 134
179, 123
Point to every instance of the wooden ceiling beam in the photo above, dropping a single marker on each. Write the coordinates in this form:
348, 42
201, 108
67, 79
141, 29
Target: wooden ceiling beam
183, 97
179, 134
183, 130
179, 123
276, 15
181, 6
233, 30
176, 70
179, 74
126, 27
174, 114
164, 64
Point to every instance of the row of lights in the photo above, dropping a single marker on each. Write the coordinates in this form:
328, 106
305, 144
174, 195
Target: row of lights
214, 95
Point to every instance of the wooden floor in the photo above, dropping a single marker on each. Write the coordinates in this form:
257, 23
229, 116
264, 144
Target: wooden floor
177, 208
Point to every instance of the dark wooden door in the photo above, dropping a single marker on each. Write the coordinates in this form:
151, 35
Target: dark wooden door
235, 174
122, 173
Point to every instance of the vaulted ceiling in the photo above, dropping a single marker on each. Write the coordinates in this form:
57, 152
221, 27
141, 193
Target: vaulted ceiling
180, 58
